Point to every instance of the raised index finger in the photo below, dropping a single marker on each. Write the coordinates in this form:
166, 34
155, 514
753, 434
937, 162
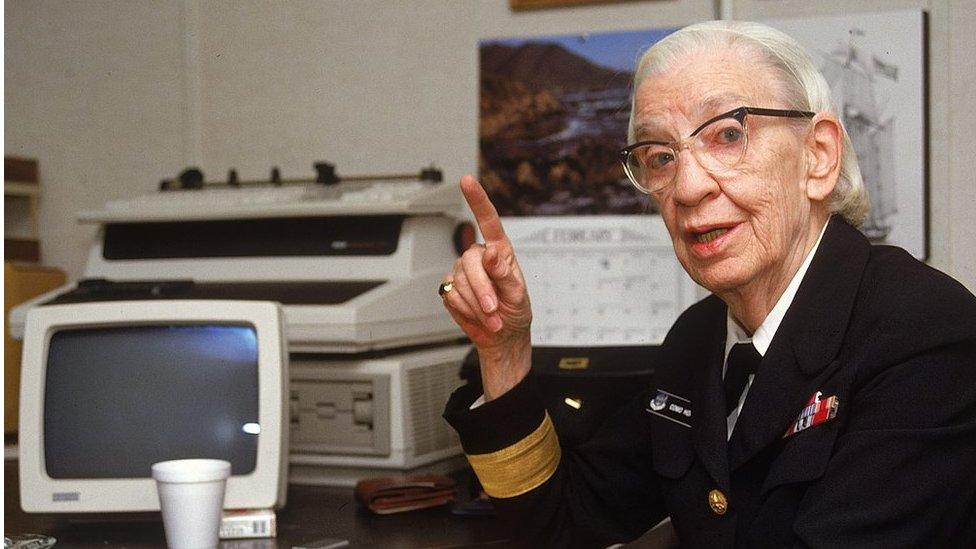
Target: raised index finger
484, 211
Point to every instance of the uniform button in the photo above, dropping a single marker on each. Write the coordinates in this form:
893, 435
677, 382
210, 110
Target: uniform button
718, 503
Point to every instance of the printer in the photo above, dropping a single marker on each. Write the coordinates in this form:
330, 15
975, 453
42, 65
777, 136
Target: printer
353, 261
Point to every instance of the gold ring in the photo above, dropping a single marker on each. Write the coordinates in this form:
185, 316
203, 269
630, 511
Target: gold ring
445, 287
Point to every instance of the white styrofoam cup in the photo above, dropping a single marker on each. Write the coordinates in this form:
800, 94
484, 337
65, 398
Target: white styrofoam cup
191, 497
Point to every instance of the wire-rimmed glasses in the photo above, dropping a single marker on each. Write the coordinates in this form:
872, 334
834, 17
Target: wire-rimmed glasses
719, 145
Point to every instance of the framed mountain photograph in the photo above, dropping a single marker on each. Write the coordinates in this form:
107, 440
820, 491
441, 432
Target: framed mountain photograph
553, 114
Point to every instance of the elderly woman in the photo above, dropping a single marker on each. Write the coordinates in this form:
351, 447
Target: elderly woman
825, 394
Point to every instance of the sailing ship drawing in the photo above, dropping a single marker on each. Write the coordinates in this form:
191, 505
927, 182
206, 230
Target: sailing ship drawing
854, 77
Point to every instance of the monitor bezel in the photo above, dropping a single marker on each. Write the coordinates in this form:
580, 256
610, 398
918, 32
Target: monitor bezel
262, 488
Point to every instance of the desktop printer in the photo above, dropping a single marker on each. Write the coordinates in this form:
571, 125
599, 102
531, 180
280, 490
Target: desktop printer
353, 261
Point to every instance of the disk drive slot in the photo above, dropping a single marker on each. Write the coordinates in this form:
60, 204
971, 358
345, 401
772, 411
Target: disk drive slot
340, 416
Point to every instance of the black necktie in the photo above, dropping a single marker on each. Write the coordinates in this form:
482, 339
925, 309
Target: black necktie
743, 361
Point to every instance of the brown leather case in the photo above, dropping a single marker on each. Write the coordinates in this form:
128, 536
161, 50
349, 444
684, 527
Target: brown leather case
388, 495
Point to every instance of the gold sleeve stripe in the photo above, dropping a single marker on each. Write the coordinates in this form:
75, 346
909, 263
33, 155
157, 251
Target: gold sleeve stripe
521, 467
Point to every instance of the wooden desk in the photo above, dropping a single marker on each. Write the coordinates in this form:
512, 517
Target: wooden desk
311, 513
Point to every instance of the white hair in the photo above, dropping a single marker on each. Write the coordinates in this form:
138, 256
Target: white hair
800, 81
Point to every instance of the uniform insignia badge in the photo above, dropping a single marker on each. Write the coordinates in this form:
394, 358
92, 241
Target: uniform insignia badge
659, 401
671, 407
818, 410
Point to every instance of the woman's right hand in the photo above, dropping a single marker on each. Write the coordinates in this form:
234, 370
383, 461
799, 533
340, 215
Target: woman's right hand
489, 300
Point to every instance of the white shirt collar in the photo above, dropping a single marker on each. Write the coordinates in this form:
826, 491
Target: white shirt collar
765, 332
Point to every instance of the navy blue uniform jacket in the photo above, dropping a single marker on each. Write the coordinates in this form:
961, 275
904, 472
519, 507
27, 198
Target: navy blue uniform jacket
892, 339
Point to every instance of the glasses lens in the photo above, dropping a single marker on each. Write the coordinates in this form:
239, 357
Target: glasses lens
651, 167
721, 144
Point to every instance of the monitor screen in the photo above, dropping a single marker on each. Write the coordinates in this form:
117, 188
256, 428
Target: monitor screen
118, 399
108, 389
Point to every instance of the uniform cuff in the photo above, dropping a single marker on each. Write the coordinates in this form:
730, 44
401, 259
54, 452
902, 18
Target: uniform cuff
521, 467
498, 423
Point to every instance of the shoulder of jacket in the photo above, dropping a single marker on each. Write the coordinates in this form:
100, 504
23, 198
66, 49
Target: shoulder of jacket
699, 323
898, 284
702, 311
905, 307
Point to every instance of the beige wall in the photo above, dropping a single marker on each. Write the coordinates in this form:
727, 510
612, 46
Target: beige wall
366, 86
94, 91
958, 206
113, 96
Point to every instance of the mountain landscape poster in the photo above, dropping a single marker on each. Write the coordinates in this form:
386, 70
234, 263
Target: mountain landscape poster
553, 114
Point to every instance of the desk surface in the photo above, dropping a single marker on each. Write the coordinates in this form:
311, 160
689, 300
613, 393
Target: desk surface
312, 513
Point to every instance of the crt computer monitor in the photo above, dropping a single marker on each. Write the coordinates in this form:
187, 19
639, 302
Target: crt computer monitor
109, 388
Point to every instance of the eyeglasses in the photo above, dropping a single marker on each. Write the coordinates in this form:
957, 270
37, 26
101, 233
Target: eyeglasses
719, 145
